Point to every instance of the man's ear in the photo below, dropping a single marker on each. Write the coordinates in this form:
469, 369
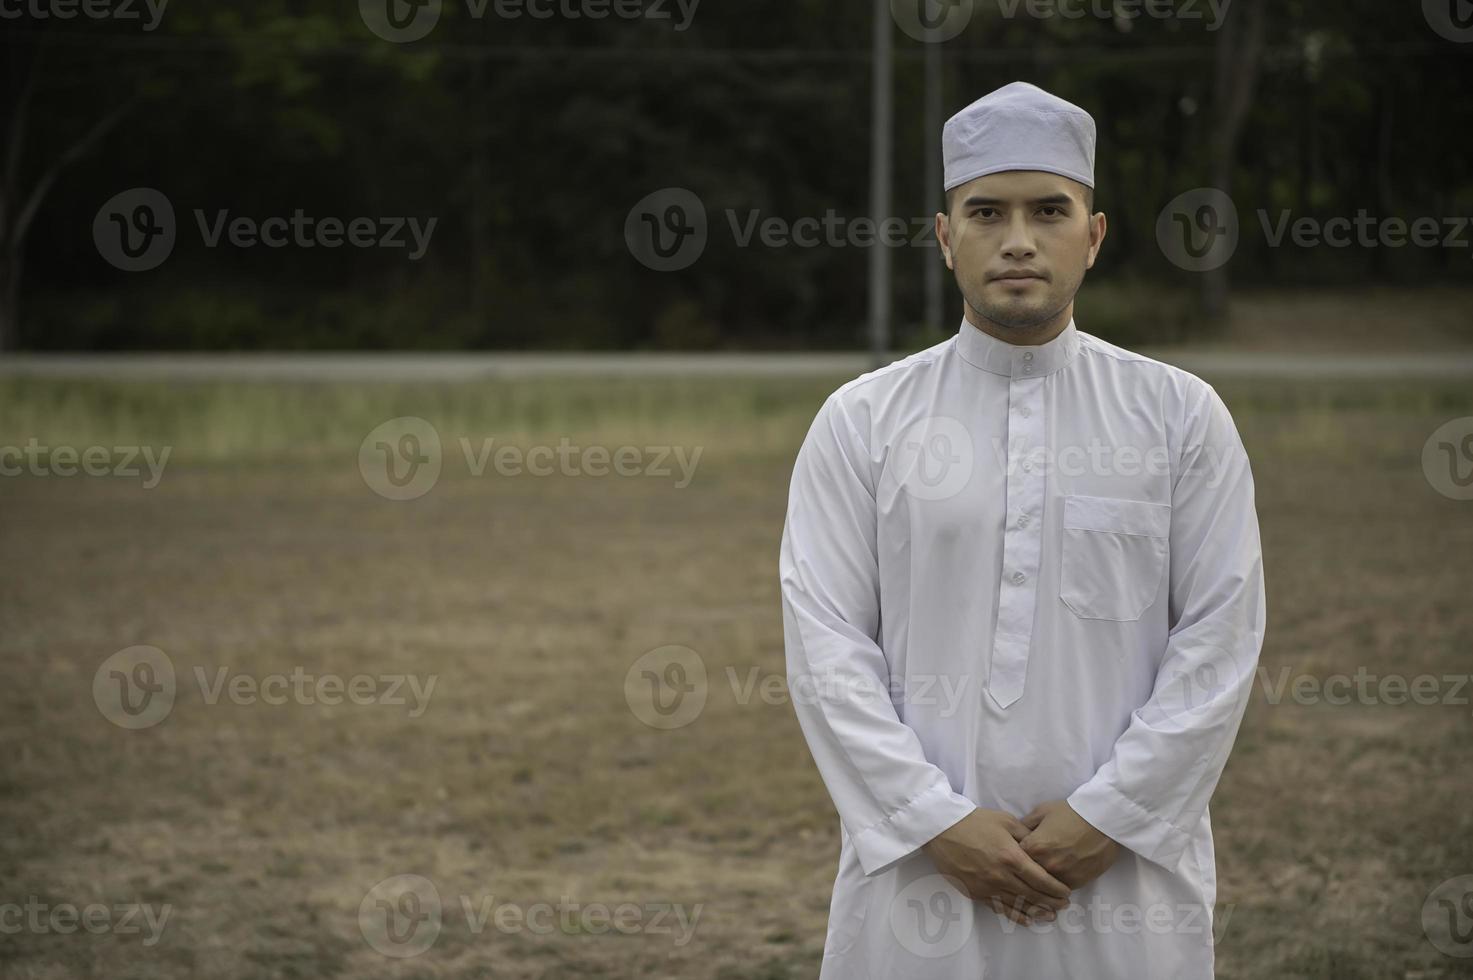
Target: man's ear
943, 237
1097, 227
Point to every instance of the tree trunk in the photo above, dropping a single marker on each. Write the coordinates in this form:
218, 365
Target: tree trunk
9, 300
1237, 58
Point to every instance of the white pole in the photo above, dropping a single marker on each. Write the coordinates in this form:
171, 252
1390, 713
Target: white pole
882, 126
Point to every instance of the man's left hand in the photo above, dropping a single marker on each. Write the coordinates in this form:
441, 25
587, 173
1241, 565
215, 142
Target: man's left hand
1067, 845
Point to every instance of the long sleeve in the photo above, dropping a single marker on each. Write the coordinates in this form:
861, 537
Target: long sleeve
1153, 789
890, 799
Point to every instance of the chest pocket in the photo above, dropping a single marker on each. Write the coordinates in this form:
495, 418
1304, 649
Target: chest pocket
1114, 556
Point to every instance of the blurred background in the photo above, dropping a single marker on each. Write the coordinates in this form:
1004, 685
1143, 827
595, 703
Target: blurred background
397, 403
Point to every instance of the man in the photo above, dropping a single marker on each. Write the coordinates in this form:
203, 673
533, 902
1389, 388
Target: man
1022, 579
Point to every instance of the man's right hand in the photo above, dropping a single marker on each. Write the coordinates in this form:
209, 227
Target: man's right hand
981, 855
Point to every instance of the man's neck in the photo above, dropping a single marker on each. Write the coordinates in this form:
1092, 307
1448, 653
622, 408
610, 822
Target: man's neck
1029, 337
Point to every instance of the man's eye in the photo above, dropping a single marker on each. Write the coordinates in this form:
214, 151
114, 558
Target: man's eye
987, 212
1050, 211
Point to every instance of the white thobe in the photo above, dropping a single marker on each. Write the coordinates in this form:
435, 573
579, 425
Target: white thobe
1013, 574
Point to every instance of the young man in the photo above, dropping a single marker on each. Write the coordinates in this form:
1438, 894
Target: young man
1021, 577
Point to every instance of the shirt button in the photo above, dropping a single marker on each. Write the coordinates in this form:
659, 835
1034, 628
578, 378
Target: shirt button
1028, 369
1028, 355
1027, 466
1023, 520
1019, 578
1024, 412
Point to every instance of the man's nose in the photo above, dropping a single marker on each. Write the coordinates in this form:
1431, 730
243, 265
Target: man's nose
1018, 245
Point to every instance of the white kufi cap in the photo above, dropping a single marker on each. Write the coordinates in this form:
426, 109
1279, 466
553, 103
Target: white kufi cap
1019, 127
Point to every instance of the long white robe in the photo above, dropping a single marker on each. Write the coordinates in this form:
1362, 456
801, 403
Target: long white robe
1014, 574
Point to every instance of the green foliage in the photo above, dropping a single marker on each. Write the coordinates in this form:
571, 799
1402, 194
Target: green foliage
531, 139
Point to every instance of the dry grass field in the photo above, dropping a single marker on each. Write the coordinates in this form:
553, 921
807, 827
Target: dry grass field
564, 836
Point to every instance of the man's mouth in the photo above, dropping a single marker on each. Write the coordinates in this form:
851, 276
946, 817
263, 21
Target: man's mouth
1022, 275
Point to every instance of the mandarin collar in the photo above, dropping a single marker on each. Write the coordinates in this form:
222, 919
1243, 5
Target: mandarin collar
1015, 360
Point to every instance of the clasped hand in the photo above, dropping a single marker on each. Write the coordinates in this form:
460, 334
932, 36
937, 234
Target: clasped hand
1023, 869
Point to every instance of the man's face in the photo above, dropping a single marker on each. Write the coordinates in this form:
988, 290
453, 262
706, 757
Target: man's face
1019, 243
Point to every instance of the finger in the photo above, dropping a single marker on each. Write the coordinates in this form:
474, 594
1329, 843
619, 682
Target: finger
1019, 828
1039, 880
1032, 896
1033, 818
1008, 911
1030, 909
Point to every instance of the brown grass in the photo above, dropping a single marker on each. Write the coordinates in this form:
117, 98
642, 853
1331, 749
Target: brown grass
528, 777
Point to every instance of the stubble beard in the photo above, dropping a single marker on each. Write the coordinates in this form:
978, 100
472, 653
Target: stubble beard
1014, 316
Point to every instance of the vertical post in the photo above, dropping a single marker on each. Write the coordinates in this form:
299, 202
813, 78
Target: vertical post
881, 130
478, 202
932, 281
